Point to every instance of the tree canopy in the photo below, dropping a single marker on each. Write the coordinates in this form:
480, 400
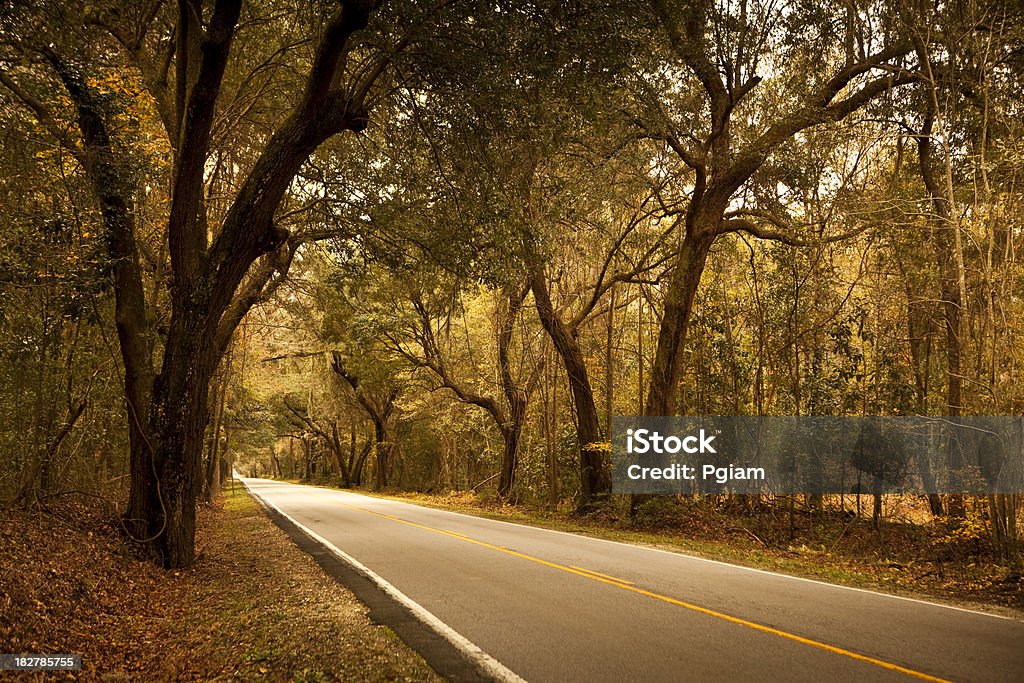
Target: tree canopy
439, 245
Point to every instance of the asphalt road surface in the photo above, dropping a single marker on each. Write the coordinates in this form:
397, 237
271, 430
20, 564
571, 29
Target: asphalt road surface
549, 606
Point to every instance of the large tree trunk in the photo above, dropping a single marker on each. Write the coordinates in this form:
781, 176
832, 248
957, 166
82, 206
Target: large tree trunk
517, 398
211, 292
682, 288
509, 457
720, 167
167, 415
178, 419
595, 473
609, 367
110, 182
550, 437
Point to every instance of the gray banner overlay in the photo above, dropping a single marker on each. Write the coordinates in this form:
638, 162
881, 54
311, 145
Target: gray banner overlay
818, 455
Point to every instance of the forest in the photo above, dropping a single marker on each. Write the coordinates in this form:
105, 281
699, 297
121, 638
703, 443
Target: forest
435, 247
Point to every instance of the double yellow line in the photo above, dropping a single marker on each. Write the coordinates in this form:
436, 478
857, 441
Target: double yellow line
629, 586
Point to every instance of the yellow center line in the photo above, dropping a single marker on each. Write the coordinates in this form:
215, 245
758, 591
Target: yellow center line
603, 576
625, 585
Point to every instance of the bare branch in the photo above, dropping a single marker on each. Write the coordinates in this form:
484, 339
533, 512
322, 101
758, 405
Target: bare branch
262, 281
782, 235
295, 354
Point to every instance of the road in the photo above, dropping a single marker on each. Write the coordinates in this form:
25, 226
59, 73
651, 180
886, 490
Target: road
549, 606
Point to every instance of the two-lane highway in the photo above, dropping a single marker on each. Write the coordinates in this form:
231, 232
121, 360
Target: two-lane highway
550, 606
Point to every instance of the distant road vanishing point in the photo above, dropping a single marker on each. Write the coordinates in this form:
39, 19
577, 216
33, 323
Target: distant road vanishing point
525, 603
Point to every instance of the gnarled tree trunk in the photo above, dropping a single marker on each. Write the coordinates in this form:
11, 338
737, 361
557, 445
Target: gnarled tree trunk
595, 472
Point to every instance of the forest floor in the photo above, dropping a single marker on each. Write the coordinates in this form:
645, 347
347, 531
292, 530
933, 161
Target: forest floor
252, 607
939, 559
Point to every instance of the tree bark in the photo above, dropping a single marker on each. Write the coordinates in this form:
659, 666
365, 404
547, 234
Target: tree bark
379, 412
382, 443
949, 292
109, 178
595, 473
516, 397
360, 462
339, 457
663, 377
550, 437
212, 483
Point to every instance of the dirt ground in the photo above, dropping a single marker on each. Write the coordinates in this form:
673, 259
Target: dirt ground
252, 607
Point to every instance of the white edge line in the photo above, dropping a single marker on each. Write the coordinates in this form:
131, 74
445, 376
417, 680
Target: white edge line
486, 662
677, 554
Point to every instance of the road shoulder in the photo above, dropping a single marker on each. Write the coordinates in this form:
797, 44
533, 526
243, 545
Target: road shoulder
445, 657
251, 607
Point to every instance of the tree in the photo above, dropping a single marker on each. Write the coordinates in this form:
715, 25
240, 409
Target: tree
213, 282
379, 406
721, 49
509, 413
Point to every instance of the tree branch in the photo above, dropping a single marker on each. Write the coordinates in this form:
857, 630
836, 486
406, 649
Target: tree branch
43, 116
782, 235
186, 228
750, 159
262, 281
249, 230
689, 44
